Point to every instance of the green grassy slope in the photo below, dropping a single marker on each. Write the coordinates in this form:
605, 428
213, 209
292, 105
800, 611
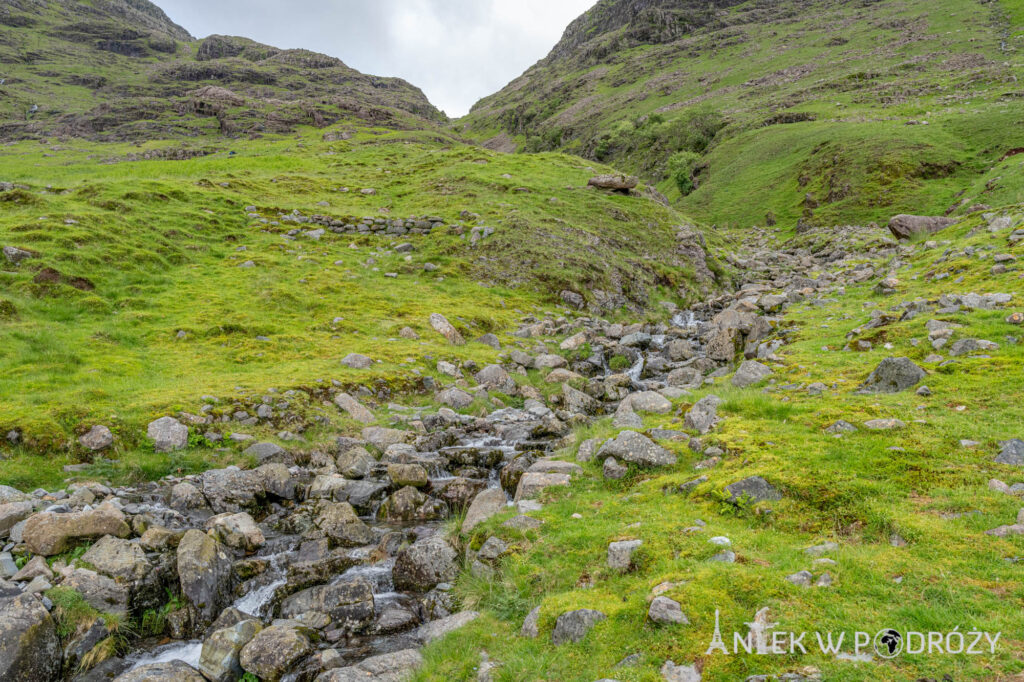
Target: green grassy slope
131, 253
857, 490
870, 109
107, 69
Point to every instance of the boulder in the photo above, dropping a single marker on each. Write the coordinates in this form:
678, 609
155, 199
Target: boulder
620, 554
531, 484
445, 328
232, 489
238, 531
578, 402
29, 647
100, 592
428, 632
348, 603
749, 373
119, 559
168, 434
455, 398
357, 361
49, 533
409, 504
1012, 452
354, 408
275, 651
636, 448
665, 610
616, 182
219, 660
14, 255
397, 666
703, 416
98, 438
573, 626
754, 488
424, 564
173, 671
905, 226
892, 376
495, 378
204, 569
408, 474
265, 452
485, 505
341, 525
13, 513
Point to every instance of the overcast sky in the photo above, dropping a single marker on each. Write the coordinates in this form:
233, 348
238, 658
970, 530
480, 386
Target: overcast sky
457, 51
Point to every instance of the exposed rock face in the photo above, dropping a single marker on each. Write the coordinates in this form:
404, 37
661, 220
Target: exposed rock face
29, 647
49, 533
204, 569
892, 376
905, 226
424, 564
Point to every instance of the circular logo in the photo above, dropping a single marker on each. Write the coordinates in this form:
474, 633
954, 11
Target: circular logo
888, 643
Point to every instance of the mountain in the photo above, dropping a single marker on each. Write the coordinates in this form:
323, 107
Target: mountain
121, 70
817, 111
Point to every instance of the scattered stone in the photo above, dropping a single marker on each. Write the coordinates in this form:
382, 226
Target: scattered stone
620, 554
445, 328
753, 488
892, 376
357, 361
749, 373
167, 434
98, 438
573, 626
884, 424
665, 610
703, 416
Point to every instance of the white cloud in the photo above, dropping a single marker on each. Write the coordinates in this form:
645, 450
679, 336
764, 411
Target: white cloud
457, 51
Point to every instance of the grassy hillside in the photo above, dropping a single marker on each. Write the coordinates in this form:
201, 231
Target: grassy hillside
907, 508
119, 70
133, 254
830, 112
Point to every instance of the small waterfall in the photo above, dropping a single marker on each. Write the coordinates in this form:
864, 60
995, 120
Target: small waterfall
255, 603
187, 652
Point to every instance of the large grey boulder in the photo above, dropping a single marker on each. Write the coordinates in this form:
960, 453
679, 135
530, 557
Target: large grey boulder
119, 559
348, 603
100, 592
573, 626
204, 569
174, 671
614, 182
1012, 452
666, 611
232, 489
397, 666
357, 361
98, 438
495, 378
753, 488
905, 226
238, 531
168, 434
13, 513
274, 651
892, 376
620, 554
578, 402
219, 660
455, 398
29, 647
749, 373
703, 416
636, 448
341, 525
485, 505
445, 328
354, 408
424, 564
48, 533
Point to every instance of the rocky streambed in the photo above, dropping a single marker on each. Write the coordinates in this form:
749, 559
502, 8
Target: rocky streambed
337, 563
